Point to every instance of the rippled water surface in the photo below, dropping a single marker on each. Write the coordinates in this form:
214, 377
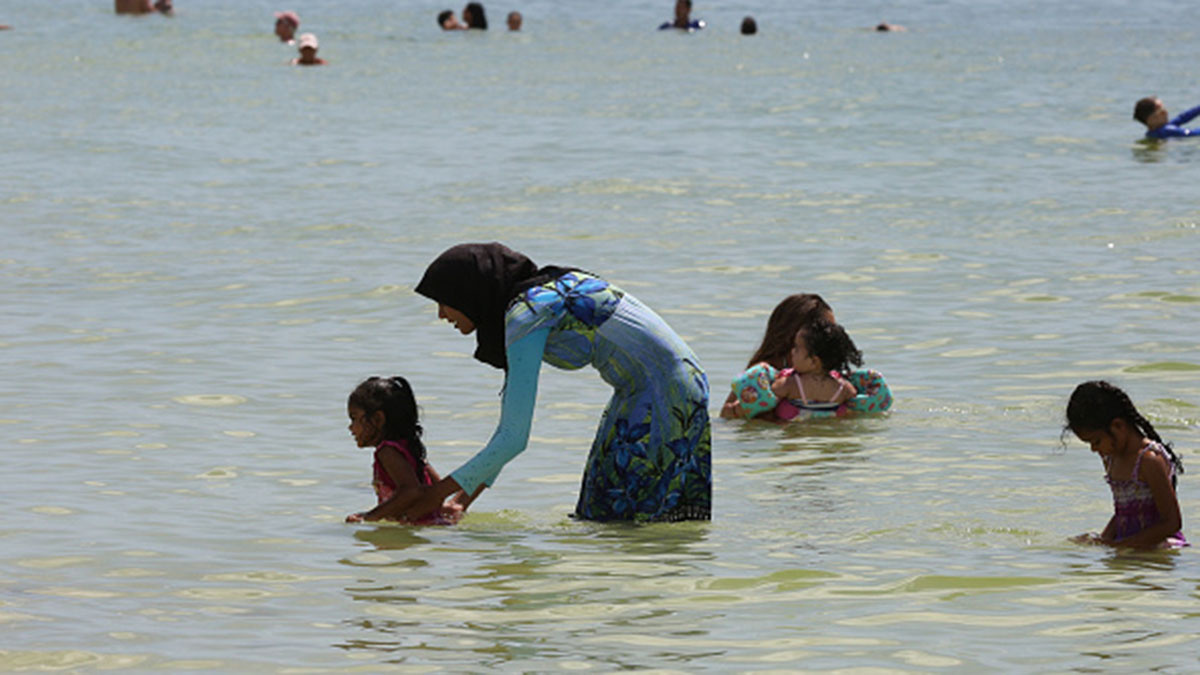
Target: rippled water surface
204, 249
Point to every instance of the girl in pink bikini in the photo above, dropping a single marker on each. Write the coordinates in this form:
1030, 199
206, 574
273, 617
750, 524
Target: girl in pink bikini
1139, 467
383, 414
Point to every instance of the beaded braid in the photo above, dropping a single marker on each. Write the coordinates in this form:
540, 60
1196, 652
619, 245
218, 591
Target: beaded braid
1095, 404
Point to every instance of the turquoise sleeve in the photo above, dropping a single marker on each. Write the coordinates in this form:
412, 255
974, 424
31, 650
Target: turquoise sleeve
516, 414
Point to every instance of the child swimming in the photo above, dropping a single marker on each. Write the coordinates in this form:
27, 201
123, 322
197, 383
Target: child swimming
1139, 467
816, 381
383, 414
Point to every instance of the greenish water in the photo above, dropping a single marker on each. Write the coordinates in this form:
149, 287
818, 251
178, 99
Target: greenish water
205, 249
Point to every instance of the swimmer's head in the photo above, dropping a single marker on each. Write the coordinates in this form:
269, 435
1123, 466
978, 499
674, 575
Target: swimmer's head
286, 24
824, 346
474, 16
683, 12
788, 317
1151, 112
749, 26
514, 20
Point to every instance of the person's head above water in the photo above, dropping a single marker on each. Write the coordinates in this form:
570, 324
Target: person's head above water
447, 21
683, 13
286, 24
514, 20
307, 44
749, 26
1098, 410
825, 346
788, 317
1151, 112
473, 285
385, 409
474, 16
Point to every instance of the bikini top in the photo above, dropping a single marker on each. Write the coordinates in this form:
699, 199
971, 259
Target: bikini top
789, 408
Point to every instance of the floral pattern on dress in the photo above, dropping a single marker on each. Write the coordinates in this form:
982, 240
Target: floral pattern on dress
651, 458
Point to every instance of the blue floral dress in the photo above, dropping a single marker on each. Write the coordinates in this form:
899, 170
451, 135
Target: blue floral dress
651, 459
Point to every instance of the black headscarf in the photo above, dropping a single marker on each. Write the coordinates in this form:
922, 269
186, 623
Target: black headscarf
480, 280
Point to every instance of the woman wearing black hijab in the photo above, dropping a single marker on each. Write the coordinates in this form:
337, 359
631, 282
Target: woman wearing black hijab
650, 460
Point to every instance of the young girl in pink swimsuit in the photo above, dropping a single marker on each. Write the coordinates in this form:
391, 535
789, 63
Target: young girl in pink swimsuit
383, 414
1139, 467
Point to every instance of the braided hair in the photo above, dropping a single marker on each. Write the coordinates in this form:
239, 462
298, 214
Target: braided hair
1095, 404
394, 397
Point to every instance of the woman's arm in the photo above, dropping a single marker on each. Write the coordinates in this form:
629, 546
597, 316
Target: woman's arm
509, 439
1157, 475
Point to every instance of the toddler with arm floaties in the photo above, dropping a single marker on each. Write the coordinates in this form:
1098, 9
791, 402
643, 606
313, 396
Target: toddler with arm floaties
819, 381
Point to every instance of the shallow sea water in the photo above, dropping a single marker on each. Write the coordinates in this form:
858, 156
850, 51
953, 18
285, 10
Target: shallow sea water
204, 250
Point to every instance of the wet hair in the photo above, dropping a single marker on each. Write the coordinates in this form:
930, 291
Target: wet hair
831, 345
1145, 108
394, 397
749, 26
473, 12
1095, 404
442, 16
788, 317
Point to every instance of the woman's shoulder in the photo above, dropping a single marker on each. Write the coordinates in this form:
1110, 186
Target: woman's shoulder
585, 296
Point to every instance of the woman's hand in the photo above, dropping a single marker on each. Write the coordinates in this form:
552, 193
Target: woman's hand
732, 409
355, 517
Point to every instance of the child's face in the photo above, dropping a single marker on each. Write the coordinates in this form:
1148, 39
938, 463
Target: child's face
1108, 442
284, 29
802, 361
1159, 117
365, 429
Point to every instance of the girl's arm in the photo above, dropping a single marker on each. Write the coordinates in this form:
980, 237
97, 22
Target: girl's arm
1155, 472
1110, 530
845, 392
509, 439
404, 477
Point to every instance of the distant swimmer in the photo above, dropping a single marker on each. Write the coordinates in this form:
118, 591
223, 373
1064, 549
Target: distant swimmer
886, 27
308, 51
286, 24
447, 21
683, 18
514, 21
749, 26
143, 7
474, 16
132, 6
1151, 112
